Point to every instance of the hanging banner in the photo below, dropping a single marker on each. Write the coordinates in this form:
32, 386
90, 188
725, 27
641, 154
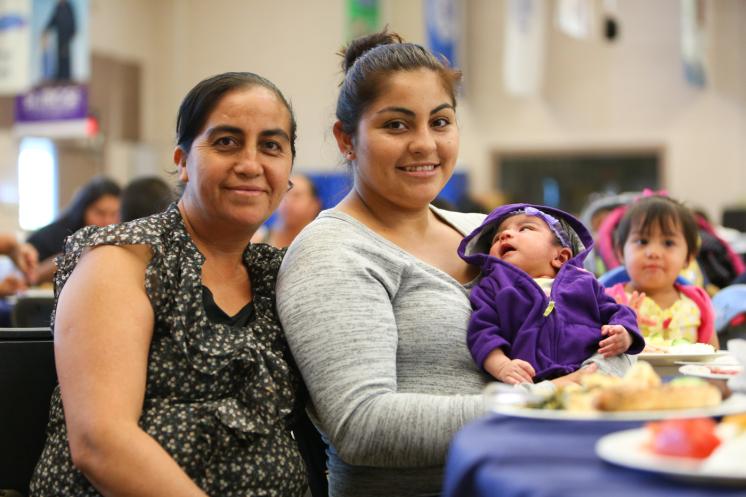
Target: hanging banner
693, 40
523, 59
574, 18
57, 105
15, 41
443, 26
362, 18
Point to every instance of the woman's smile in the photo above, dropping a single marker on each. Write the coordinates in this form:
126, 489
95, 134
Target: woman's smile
419, 170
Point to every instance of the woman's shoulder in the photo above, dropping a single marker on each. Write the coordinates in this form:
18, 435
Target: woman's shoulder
337, 241
334, 228
463, 222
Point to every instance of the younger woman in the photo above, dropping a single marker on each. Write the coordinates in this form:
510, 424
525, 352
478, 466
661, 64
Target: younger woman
656, 239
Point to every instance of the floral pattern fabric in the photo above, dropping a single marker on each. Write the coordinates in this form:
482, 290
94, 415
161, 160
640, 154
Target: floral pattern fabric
219, 399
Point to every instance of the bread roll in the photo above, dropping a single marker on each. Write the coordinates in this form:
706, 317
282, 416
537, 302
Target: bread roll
669, 396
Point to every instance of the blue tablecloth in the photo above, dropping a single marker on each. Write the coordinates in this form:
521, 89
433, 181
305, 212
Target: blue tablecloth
501, 456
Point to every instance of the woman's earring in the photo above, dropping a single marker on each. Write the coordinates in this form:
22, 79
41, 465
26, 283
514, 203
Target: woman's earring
290, 185
349, 154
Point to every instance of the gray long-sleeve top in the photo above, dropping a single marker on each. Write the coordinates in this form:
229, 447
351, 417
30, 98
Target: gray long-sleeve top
380, 338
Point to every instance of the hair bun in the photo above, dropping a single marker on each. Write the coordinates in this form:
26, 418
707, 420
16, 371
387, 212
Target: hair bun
359, 46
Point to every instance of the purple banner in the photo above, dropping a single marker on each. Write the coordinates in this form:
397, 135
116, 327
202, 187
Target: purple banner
52, 103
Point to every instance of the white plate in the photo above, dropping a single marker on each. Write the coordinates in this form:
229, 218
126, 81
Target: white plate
704, 371
736, 403
626, 448
663, 359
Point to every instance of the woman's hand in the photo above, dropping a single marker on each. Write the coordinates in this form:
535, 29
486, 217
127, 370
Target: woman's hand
617, 342
26, 259
10, 285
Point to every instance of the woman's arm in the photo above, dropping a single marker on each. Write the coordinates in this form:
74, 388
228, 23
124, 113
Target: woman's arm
336, 307
103, 330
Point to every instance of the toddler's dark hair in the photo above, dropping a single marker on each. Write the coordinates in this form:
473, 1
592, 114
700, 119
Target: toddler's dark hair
667, 213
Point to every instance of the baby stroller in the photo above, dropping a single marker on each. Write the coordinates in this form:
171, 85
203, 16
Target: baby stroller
730, 312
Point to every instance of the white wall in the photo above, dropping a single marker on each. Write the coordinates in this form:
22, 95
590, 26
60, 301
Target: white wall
627, 94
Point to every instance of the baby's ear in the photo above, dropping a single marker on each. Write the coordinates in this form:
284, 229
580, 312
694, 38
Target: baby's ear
563, 255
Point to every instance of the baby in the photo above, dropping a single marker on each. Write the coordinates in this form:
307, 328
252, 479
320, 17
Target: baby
537, 314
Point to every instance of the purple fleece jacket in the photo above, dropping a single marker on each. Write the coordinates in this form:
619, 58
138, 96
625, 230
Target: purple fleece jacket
511, 311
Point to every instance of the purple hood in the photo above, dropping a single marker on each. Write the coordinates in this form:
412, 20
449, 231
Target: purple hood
475, 247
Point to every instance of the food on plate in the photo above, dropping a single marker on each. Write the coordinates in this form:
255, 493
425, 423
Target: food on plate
695, 438
659, 345
640, 389
681, 393
721, 448
696, 369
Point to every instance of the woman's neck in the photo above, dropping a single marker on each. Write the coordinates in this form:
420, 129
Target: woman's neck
387, 219
213, 241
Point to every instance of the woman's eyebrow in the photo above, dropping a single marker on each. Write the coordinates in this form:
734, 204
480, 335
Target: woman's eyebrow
441, 107
399, 110
275, 132
408, 112
224, 128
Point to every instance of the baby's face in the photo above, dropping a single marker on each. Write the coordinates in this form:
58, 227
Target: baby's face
527, 242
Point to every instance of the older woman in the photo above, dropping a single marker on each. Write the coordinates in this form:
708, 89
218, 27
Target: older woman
174, 375
372, 296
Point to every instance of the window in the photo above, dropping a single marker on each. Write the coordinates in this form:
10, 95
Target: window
566, 179
37, 183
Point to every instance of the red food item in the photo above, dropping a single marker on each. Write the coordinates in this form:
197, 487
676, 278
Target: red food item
694, 438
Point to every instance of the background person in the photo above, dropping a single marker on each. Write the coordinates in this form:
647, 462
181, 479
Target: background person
144, 196
372, 295
25, 259
299, 207
174, 375
95, 204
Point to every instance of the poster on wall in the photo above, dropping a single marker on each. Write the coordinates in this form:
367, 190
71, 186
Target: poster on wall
443, 26
15, 27
693, 42
362, 18
524, 48
57, 104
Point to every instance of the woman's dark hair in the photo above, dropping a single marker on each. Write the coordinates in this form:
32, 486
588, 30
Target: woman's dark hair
145, 196
668, 214
368, 60
87, 195
203, 98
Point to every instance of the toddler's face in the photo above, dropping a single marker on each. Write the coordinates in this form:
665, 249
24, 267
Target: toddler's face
527, 242
654, 259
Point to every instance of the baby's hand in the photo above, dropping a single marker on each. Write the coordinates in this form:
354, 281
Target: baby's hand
635, 302
516, 371
618, 341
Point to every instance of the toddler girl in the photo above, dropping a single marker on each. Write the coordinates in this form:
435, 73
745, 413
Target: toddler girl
656, 239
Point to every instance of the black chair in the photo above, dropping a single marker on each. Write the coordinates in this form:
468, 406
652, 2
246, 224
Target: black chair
32, 312
27, 379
